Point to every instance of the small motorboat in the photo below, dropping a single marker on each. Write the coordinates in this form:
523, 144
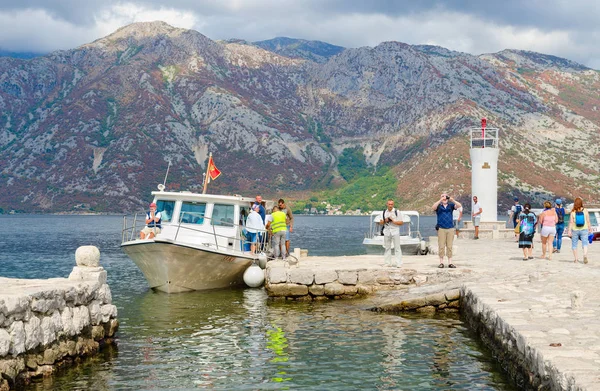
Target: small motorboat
411, 242
201, 244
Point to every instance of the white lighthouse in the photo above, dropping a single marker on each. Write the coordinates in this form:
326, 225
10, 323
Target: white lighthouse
484, 174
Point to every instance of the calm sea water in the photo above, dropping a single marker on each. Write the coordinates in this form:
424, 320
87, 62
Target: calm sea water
237, 339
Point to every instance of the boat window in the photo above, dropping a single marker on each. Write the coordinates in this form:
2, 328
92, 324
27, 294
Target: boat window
223, 215
193, 212
593, 220
166, 209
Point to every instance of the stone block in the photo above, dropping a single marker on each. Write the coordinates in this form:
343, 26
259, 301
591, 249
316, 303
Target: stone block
95, 313
97, 332
104, 294
437, 299
364, 289
276, 275
87, 256
428, 309
368, 277
334, 289
301, 276
453, 295
413, 304
14, 304
47, 330
47, 305
316, 290
350, 290
4, 342
89, 274
17, 337
66, 318
419, 279
286, 290
109, 311
325, 276
111, 327
347, 277
400, 277
81, 318
51, 355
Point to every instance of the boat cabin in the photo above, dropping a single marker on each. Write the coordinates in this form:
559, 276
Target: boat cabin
204, 219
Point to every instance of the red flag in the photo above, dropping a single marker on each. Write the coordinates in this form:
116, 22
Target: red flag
213, 171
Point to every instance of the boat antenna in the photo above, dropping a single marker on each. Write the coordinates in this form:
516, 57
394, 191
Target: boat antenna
167, 174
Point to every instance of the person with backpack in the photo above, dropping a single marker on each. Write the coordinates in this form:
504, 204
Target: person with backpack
515, 211
560, 226
444, 208
527, 221
579, 224
391, 220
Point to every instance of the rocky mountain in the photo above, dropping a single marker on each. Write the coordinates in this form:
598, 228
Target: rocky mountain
94, 128
316, 51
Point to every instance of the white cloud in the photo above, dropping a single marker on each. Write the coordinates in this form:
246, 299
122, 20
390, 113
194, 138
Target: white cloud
483, 27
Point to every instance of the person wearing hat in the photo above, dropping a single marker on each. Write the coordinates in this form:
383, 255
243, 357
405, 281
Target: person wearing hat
515, 211
153, 220
560, 226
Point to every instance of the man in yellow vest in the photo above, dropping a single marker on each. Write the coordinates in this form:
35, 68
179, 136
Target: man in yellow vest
278, 231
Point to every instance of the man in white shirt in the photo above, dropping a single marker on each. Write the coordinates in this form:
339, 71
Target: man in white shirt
254, 226
391, 220
476, 215
457, 217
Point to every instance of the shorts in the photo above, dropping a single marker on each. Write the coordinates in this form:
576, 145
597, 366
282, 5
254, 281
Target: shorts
547, 231
577, 235
287, 233
251, 237
476, 220
458, 224
149, 230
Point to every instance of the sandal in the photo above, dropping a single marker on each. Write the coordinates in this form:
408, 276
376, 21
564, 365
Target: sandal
530, 257
451, 266
585, 260
525, 258
575, 261
441, 266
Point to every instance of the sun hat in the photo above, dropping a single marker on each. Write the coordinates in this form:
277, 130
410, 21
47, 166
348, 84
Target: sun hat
558, 201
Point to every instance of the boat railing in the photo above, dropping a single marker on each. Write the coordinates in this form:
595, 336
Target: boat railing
130, 231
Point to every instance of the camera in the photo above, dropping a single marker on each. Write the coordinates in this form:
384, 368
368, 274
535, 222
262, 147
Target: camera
447, 197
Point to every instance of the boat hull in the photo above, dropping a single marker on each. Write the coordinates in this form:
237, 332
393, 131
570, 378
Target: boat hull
375, 246
171, 267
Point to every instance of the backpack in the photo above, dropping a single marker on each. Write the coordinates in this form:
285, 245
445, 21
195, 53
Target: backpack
579, 219
518, 209
560, 212
383, 214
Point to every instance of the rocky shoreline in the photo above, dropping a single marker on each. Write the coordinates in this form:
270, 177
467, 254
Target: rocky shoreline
48, 324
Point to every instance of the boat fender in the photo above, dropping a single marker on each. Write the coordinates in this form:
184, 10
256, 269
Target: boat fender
262, 260
424, 248
254, 276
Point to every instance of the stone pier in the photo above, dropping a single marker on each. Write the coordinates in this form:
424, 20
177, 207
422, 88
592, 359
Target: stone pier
45, 324
540, 318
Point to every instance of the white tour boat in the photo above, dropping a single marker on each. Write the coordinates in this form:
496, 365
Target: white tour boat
201, 244
411, 242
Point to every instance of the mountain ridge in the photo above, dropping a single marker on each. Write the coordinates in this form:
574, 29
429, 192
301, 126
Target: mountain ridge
98, 124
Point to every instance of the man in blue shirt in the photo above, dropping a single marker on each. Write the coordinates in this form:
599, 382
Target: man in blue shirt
445, 226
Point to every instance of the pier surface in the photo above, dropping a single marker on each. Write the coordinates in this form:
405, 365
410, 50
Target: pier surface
546, 313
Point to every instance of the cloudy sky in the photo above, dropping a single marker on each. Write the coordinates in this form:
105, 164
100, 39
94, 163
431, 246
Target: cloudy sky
565, 28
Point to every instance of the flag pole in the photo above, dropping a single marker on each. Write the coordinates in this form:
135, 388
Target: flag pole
207, 176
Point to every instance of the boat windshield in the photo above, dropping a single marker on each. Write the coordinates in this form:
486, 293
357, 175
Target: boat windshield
166, 209
223, 215
193, 212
